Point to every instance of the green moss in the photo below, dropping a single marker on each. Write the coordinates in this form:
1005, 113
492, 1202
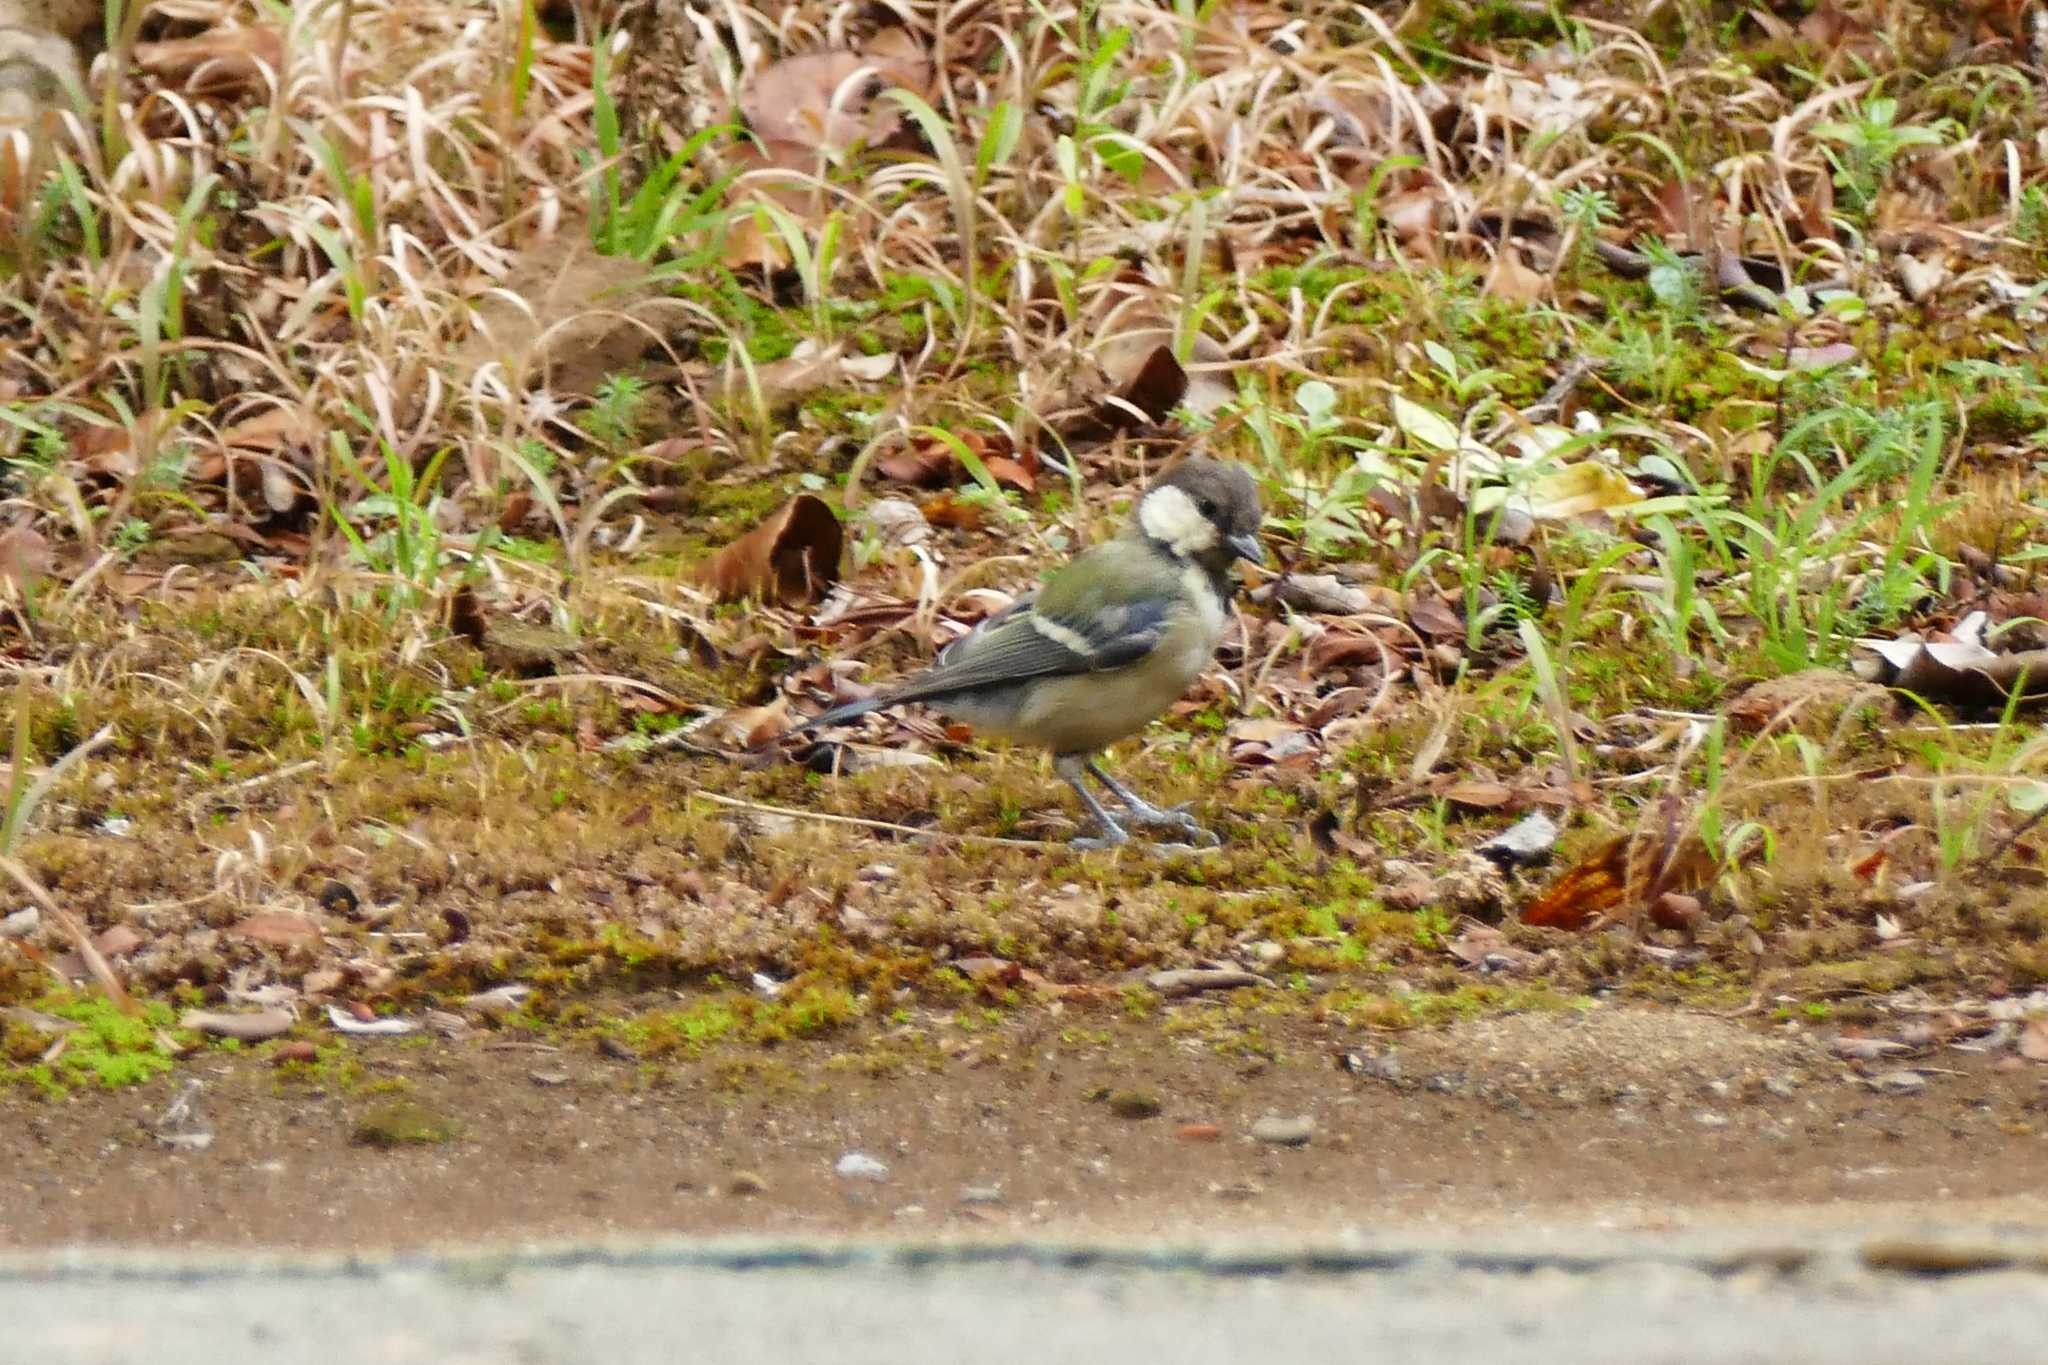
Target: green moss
402, 1123
1869, 976
109, 1050
1476, 999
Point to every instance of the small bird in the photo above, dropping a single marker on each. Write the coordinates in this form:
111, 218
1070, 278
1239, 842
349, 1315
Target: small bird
1106, 644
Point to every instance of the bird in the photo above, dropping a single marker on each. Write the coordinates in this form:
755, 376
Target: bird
1105, 645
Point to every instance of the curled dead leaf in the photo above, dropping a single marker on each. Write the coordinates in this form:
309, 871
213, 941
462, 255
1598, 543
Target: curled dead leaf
1155, 386
792, 557
1960, 671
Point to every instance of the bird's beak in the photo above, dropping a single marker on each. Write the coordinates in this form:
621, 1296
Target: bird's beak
1246, 546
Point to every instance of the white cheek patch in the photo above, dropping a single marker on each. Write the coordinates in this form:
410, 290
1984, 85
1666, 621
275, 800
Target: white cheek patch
1167, 514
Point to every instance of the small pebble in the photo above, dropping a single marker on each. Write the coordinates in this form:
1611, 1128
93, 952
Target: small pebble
982, 1194
1898, 1082
548, 1080
1285, 1132
1198, 1132
298, 1050
746, 1183
616, 1050
22, 923
860, 1166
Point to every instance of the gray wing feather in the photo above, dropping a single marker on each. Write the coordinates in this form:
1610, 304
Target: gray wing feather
1009, 648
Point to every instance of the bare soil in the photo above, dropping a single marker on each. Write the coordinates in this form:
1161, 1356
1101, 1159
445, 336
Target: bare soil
1636, 1119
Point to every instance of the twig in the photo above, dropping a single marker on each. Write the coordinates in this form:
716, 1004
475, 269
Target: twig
605, 680
2019, 831
212, 794
82, 941
908, 830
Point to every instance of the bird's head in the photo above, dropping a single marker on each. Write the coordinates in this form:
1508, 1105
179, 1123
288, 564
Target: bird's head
1206, 511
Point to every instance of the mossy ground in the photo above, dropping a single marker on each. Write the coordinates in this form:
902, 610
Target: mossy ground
279, 723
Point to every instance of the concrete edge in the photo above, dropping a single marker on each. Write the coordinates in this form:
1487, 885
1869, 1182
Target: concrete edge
1918, 1252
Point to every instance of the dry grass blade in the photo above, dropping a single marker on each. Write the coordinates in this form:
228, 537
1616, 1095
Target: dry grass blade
81, 941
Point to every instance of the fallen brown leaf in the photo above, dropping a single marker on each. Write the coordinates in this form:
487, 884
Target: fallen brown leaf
1479, 795
832, 100
279, 928
792, 557
24, 557
225, 61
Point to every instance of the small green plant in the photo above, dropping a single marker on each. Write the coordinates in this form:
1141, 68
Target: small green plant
1865, 145
616, 414
2030, 216
1679, 285
1294, 448
410, 552
1585, 212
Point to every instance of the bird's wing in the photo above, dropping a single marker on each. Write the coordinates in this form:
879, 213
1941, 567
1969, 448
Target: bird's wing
1059, 630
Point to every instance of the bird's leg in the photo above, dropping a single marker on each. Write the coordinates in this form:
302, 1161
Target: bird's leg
1071, 767
1144, 813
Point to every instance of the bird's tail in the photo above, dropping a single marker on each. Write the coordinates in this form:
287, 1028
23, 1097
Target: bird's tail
839, 715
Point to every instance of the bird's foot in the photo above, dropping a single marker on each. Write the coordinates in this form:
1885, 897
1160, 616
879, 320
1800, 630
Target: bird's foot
1112, 836
1149, 816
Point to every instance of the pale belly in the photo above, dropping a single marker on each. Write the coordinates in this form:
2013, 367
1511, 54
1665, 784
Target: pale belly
1091, 711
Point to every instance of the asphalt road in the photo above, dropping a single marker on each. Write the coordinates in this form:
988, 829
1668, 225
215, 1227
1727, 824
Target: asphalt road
1565, 1297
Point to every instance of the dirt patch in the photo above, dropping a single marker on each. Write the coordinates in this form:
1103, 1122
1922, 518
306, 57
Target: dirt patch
1639, 1118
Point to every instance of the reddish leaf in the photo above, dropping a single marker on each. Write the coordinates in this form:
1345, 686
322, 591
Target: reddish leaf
1017, 474
949, 511
1592, 888
1625, 873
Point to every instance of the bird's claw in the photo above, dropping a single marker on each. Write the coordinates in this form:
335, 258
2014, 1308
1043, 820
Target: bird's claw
1174, 817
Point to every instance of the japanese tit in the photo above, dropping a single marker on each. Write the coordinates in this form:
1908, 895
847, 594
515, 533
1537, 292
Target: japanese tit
1106, 644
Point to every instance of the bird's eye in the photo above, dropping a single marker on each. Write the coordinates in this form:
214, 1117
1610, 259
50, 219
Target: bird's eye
1207, 507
